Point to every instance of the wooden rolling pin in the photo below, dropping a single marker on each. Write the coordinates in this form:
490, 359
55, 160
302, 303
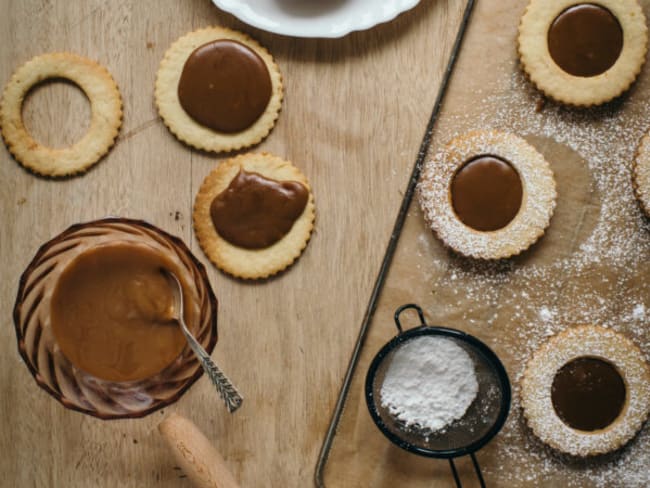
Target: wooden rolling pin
198, 459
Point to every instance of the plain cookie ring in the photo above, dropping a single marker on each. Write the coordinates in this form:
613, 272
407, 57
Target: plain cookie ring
492, 164
106, 114
539, 385
580, 36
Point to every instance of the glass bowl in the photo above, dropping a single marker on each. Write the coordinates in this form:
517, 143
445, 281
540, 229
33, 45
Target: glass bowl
76, 389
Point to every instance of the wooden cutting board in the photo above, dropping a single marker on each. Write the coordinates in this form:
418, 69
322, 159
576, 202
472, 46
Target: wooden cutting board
353, 116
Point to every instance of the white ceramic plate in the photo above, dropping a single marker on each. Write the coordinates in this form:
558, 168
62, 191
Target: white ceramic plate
315, 18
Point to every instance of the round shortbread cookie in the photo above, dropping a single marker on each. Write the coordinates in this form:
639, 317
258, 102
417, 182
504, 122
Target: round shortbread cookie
238, 261
187, 129
590, 342
641, 174
537, 203
563, 87
106, 114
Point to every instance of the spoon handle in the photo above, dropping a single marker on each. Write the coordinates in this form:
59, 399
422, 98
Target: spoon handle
226, 389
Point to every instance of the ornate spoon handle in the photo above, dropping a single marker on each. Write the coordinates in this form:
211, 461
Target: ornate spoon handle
226, 389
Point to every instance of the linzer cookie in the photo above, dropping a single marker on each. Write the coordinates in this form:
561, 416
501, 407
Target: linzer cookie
218, 90
586, 391
488, 194
253, 215
583, 53
105, 122
641, 174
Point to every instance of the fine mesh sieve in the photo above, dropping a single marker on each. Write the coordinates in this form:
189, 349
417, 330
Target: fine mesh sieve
480, 423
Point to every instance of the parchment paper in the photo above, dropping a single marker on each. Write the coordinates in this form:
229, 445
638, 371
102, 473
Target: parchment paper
592, 266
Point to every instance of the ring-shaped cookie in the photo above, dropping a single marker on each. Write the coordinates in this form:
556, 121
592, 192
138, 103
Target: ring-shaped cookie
641, 174
238, 261
537, 205
187, 129
593, 342
106, 114
556, 83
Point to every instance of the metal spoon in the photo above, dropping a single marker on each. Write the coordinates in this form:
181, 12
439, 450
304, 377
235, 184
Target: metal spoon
226, 389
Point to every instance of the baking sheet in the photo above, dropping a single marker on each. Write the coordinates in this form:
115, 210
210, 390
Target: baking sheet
592, 266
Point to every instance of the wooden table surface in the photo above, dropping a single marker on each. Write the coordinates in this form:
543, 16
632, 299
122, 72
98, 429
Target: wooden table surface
354, 114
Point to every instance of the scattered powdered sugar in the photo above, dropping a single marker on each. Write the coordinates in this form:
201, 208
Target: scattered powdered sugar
430, 382
601, 277
546, 315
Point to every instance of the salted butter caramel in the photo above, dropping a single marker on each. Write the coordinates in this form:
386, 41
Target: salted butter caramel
111, 311
585, 40
225, 86
588, 393
486, 193
255, 212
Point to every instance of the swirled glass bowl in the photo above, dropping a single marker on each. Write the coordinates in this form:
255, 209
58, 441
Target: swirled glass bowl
74, 388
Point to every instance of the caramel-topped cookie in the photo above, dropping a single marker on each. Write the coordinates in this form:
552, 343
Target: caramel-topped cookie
218, 90
584, 53
255, 212
641, 174
253, 215
487, 194
586, 391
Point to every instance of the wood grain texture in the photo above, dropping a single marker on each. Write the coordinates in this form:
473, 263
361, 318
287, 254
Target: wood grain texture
353, 117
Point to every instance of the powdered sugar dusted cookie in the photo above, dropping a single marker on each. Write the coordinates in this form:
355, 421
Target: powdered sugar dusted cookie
586, 391
488, 194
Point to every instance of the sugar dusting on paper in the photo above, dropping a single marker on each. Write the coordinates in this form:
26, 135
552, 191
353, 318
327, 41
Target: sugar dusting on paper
615, 262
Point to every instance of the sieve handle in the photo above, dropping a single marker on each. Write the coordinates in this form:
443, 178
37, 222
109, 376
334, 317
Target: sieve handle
477, 469
407, 307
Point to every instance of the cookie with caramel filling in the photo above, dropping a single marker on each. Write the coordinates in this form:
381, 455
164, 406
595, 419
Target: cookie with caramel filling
487, 194
253, 215
218, 90
585, 391
583, 53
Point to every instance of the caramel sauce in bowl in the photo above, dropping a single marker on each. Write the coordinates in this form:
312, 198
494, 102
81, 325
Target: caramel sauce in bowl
112, 356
